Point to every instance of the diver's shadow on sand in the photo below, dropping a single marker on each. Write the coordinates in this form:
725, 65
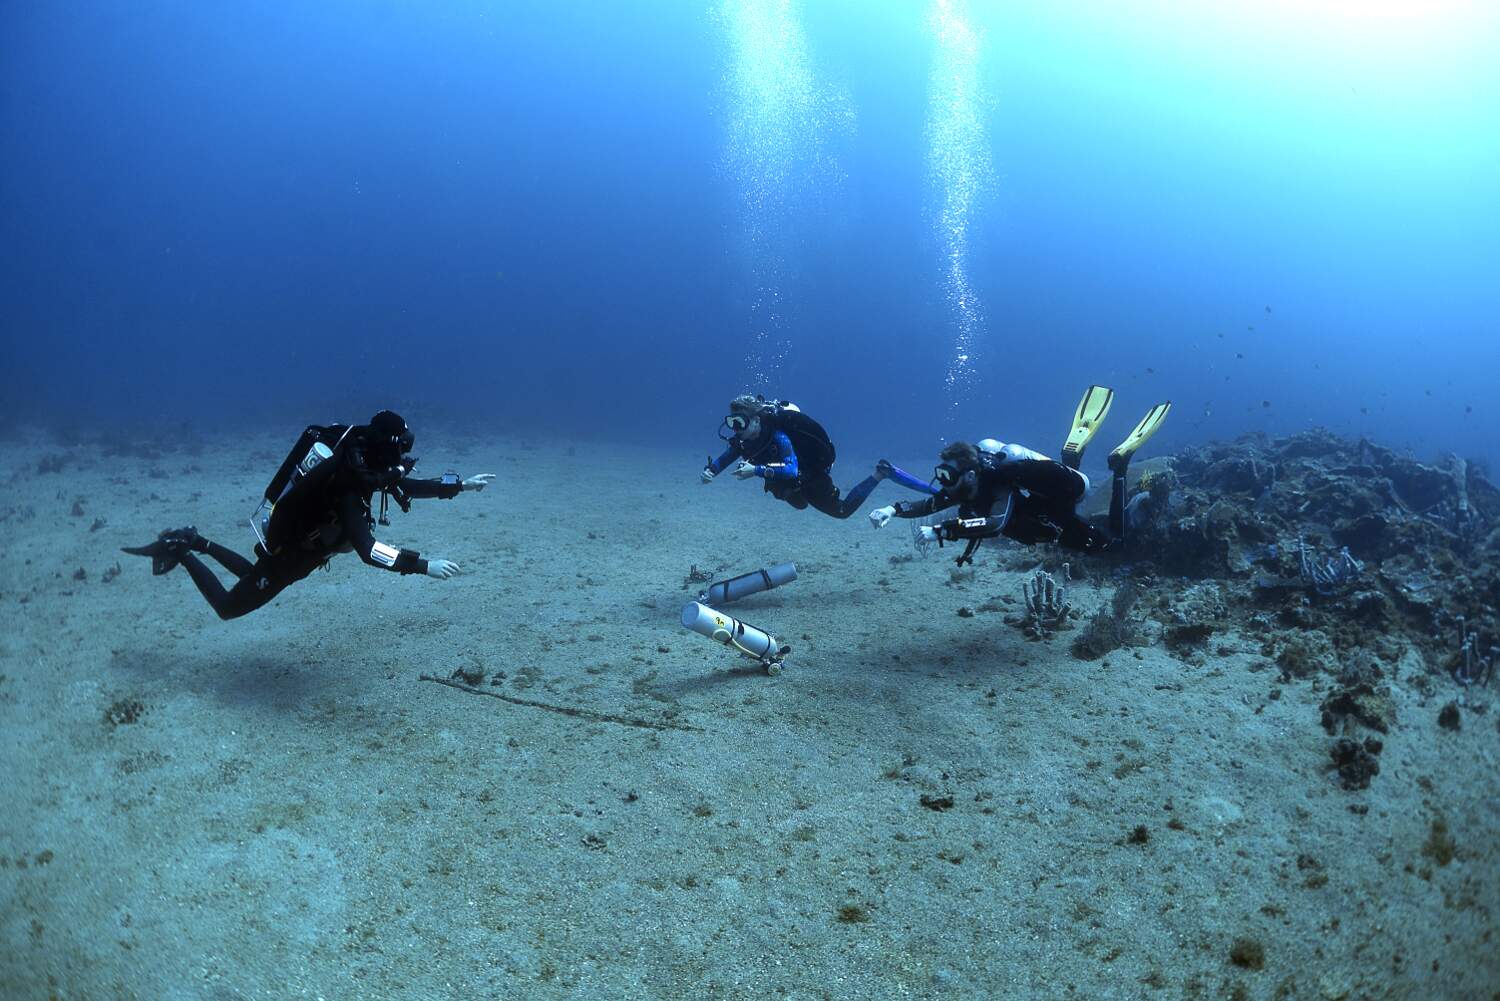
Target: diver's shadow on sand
712, 680
259, 682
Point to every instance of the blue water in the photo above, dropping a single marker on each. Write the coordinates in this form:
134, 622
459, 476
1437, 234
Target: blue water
606, 219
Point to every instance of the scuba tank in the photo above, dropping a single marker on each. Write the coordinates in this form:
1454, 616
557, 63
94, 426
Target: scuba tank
814, 448
311, 451
724, 591
754, 643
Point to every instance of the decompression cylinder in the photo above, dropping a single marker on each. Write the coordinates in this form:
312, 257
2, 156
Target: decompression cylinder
747, 639
724, 591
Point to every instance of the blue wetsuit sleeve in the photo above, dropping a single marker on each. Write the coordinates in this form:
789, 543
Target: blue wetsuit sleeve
909, 481
786, 469
730, 454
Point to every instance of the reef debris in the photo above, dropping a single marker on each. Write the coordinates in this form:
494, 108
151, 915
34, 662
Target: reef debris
1111, 627
1327, 575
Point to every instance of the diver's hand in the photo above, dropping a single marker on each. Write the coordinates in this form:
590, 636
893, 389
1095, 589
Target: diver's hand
927, 533
477, 482
744, 471
881, 516
442, 569
708, 475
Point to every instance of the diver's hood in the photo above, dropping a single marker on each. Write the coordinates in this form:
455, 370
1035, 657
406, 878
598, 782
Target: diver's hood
380, 451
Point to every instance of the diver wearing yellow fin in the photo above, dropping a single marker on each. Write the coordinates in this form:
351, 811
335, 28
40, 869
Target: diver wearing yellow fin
1009, 490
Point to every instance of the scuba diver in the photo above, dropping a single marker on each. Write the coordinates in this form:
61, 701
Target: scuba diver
319, 504
775, 440
1009, 490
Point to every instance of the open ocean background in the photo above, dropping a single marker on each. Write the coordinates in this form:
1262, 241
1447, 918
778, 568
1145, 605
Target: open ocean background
601, 221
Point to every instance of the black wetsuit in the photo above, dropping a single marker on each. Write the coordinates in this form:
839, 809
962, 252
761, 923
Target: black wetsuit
336, 518
1021, 495
794, 456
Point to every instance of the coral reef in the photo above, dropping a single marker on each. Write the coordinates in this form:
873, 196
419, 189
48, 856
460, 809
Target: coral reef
1352, 564
1373, 549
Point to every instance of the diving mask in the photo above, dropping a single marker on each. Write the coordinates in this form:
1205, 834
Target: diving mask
739, 426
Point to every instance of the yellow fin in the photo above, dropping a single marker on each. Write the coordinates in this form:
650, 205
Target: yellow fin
1148, 426
1092, 410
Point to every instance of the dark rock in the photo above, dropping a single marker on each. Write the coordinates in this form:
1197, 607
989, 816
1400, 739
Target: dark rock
1305, 654
123, 712
1363, 535
1367, 703
1356, 765
1449, 718
1239, 474
1248, 954
1187, 636
937, 803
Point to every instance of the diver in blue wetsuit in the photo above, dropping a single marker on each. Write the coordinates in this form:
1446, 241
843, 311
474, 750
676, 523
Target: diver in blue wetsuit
776, 441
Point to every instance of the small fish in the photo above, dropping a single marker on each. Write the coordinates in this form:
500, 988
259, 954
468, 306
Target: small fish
1240, 355
1268, 309
1221, 335
1364, 410
1266, 404
1468, 410
1150, 371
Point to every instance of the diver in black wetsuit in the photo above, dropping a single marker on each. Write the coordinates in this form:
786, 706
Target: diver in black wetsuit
776, 441
1004, 490
1010, 490
320, 504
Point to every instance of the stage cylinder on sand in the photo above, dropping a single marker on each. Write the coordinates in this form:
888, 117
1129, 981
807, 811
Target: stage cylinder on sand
748, 640
724, 591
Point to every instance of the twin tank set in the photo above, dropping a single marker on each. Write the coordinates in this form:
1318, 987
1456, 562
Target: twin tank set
702, 617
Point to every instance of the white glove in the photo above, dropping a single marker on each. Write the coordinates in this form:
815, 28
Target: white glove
882, 515
744, 470
708, 475
442, 569
478, 482
927, 533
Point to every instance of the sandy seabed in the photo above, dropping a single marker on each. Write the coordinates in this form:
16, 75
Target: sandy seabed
923, 804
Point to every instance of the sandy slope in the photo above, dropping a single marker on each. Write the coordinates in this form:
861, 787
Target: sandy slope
294, 814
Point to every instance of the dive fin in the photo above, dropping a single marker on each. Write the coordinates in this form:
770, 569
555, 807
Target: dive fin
1120, 457
166, 552
1092, 410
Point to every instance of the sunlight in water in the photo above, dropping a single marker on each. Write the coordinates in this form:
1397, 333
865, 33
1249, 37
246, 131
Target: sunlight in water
959, 161
777, 121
